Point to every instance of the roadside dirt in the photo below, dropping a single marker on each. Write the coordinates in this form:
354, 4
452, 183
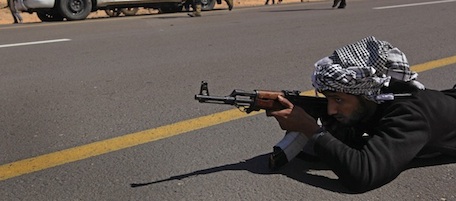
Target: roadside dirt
6, 18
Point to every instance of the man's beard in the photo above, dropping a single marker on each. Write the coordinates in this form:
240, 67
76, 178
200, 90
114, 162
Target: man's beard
359, 115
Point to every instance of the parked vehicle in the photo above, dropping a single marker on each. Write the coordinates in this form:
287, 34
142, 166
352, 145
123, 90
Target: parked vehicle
59, 10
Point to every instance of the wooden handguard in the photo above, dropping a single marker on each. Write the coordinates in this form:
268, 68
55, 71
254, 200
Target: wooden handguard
314, 106
268, 100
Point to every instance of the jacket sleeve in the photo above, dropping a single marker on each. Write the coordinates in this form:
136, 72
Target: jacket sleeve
399, 135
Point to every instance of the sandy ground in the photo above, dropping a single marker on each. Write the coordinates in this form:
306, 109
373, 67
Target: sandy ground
6, 18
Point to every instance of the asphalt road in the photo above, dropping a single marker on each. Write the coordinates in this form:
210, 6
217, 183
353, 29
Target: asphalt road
91, 107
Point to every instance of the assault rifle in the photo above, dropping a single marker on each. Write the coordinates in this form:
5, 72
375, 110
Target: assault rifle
256, 100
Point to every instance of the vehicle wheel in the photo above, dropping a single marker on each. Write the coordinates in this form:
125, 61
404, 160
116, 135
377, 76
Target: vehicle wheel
75, 9
49, 16
129, 11
169, 8
115, 12
207, 4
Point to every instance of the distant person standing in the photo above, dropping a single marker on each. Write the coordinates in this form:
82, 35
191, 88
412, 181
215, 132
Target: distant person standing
12, 4
341, 3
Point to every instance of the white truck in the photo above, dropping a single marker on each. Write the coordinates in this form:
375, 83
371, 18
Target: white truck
59, 10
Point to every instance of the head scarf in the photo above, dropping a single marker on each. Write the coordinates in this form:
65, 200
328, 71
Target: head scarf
363, 68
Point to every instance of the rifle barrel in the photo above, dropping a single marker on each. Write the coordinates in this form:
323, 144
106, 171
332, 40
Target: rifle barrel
237, 101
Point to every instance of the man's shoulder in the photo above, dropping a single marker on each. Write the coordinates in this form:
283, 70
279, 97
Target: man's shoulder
420, 100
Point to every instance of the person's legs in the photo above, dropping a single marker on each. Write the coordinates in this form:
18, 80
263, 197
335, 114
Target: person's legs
196, 8
18, 18
267, 2
335, 3
13, 4
342, 4
230, 4
12, 8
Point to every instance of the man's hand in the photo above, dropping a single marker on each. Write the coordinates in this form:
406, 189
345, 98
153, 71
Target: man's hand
294, 118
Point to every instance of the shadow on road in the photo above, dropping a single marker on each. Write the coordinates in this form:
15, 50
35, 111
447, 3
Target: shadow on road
259, 165
297, 169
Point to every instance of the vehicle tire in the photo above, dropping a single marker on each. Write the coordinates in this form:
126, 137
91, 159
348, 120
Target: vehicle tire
129, 11
169, 8
74, 9
49, 16
115, 12
207, 4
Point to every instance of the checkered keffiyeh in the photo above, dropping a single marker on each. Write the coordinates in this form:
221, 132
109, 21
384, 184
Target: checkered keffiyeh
363, 68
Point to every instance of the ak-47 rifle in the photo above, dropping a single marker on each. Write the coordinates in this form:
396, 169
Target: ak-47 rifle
261, 99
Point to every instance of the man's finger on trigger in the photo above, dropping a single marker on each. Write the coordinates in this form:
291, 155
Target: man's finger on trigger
285, 101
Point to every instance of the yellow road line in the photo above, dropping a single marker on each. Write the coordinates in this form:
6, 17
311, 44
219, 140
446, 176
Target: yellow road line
105, 146
434, 64
46, 161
